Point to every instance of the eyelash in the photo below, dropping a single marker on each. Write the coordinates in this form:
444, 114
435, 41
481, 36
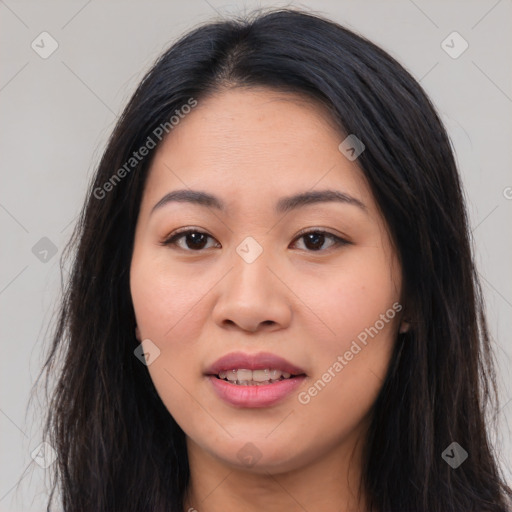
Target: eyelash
171, 240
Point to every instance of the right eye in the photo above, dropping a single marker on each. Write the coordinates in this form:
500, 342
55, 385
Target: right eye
194, 240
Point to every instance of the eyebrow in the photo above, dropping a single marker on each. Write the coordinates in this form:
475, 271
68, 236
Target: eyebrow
284, 205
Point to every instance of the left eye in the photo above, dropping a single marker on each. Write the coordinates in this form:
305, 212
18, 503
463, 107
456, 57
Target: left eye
196, 240
317, 238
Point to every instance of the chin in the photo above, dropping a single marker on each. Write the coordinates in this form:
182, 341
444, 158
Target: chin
260, 455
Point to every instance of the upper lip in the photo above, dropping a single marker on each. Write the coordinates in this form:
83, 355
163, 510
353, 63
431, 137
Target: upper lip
260, 361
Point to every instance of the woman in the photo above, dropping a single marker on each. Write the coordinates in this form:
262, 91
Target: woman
274, 304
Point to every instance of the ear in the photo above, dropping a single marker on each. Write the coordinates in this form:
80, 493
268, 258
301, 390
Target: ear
137, 333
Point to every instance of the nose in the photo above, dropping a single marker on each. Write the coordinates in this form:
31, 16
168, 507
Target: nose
253, 297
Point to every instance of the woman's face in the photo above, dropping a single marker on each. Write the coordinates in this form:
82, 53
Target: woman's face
248, 281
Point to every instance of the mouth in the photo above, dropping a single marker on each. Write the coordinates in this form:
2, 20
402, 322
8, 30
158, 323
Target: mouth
254, 380
252, 369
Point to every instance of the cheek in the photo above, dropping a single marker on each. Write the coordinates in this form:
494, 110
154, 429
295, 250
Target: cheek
351, 297
165, 301
166, 307
358, 307
170, 310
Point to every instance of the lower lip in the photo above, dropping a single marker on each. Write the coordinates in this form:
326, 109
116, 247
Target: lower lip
255, 396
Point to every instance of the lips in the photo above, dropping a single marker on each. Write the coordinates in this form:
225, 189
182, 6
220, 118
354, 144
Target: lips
250, 394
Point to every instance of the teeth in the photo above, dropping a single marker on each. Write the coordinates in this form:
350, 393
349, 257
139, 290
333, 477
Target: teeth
231, 375
246, 377
260, 375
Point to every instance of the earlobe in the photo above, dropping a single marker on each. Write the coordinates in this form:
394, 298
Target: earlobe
137, 333
404, 327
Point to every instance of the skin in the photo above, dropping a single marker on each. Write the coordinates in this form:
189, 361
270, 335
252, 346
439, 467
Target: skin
251, 147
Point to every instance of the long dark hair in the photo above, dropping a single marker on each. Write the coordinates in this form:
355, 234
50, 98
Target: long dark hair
118, 447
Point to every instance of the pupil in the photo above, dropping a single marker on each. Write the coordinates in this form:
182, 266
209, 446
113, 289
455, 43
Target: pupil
195, 238
315, 238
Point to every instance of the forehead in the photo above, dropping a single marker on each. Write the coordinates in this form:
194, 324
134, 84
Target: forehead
255, 144
249, 123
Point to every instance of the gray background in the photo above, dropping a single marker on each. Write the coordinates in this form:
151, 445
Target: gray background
57, 113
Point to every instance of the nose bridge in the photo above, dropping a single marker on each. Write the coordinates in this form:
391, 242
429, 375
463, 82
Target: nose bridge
252, 276
251, 296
